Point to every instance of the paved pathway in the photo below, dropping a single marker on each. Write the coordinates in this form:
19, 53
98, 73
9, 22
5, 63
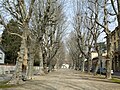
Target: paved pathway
67, 80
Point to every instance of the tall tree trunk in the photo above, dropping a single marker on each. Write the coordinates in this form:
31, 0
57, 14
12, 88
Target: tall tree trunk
108, 65
83, 64
109, 44
20, 72
98, 62
99, 59
17, 76
30, 64
30, 67
41, 72
31, 58
24, 65
45, 65
109, 60
45, 61
89, 62
25, 46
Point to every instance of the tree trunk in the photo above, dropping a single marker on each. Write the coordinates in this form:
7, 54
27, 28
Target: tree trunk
83, 66
97, 66
17, 76
41, 72
21, 65
108, 66
109, 44
89, 62
109, 61
118, 16
45, 66
49, 68
89, 66
45, 63
24, 65
30, 66
99, 61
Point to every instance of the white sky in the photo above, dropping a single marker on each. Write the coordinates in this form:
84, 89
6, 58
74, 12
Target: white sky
69, 14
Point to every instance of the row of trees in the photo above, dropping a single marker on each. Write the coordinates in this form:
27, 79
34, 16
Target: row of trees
40, 26
91, 18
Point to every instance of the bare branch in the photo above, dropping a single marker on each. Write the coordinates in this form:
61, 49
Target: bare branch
113, 6
30, 11
16, 34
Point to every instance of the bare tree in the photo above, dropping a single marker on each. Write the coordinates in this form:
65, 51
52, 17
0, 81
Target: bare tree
84, 37
48, 25
105, 27
18, 10
94, 28
116, 9
73, 51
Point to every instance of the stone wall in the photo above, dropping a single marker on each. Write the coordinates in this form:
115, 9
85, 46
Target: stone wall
6, 69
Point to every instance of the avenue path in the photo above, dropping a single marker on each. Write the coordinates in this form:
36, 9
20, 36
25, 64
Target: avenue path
65, 79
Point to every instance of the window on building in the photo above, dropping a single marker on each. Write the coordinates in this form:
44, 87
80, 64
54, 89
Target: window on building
118, 34
114, 37
119, 44
115, 46
1, 56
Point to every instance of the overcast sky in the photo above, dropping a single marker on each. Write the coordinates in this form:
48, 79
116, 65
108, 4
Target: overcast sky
69, 12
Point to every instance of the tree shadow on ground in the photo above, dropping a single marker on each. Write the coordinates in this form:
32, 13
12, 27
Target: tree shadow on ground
66, 84
37, 85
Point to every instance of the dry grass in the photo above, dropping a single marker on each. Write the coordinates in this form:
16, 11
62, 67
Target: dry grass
115, 80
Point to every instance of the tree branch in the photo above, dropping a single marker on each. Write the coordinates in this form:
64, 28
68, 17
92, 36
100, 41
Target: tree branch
15, 34
113, 6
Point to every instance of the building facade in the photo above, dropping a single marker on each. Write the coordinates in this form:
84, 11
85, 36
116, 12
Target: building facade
94, 57
115, 41
2, 56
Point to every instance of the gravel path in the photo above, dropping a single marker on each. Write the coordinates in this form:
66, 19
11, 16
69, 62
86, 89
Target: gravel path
67, 80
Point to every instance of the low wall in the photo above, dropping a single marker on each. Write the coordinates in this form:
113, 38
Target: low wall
9, 69
5, 69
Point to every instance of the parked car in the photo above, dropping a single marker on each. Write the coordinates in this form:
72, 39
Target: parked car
112, 72
103, 71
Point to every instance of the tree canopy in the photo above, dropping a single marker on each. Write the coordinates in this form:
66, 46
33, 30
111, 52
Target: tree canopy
11, 43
